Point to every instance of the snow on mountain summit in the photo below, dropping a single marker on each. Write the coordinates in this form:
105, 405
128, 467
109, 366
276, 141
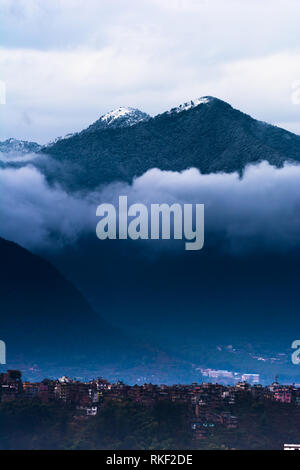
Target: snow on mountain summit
120, 117
21, 147
118, 113
192, 104
127, 117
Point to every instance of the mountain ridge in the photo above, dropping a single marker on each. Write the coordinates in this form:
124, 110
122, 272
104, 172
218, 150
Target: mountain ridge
211, 136
22, 147
207, 134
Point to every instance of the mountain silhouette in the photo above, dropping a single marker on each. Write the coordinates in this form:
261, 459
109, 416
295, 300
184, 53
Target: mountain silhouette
46, 321
207, 134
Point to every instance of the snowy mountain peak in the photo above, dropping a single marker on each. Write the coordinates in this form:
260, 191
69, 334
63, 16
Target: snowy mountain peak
21, 147
192, 104
119, 113
120, 117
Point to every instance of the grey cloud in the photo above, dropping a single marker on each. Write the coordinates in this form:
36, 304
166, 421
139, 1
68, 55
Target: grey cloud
37, 216
15, 157
259, 211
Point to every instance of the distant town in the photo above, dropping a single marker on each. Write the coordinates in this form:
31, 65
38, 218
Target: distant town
209, 404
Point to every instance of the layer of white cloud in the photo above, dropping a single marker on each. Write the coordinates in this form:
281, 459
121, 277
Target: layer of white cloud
259, 211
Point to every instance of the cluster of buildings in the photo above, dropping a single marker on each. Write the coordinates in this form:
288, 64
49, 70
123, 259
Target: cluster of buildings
226, 376
208, 403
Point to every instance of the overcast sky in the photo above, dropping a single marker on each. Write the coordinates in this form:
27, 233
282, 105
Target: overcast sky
66, 62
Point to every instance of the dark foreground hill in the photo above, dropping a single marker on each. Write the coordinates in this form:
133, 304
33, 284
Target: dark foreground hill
48, 326
208, 134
